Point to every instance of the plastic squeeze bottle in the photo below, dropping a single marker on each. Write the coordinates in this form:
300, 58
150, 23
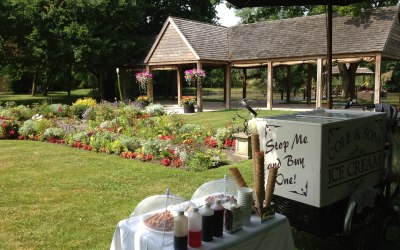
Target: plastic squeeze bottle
180, 231
207, 216
195, 228
218, 219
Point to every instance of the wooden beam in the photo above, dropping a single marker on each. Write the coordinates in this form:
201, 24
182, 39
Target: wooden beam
244, 83
377, 92
228, 86
269, 86
150, 84
179, 83
199, 91
319, 89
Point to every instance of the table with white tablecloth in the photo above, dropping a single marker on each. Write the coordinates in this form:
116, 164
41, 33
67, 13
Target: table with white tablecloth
275, 233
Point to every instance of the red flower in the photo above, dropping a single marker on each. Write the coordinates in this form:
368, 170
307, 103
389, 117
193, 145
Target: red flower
229, 143
148, 157
211, 142
12, 132
166, 161
171, 151
4, 125
177, 162
20, 137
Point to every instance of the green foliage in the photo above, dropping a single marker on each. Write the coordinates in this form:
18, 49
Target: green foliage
155, 110
27, 129
55, 133
9, 129
153, 146
41, 125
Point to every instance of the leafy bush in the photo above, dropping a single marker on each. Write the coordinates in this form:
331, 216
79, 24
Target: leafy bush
199, 162
87, 101
224, 133
155, 110
129, 143
78, 110
9, 129
53, 133
154, 146
27, 129
80, 106
60, 110
41, 125
89, 114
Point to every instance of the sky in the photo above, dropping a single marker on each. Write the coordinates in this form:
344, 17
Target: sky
226, 16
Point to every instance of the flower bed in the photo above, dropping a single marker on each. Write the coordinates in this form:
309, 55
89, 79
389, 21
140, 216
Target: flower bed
127, 130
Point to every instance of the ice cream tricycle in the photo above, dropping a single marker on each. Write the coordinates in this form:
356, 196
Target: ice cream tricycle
333, 174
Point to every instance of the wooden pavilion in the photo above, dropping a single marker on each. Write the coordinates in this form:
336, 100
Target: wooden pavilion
182, 43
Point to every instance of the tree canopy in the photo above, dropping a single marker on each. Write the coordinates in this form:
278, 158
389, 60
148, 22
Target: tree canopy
47, 42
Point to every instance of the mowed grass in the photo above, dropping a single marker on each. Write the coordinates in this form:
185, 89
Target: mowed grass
218, 119
56, 197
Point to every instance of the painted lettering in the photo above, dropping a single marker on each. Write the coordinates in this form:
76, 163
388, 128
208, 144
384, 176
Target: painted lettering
282, 180
290, 161
270, 146
299, 139
276, 164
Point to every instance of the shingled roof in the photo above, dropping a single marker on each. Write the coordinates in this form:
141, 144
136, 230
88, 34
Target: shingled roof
304, 37
208, 40
205, 41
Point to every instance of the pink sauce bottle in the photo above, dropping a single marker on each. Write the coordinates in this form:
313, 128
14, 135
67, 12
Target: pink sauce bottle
218, 221
195, 228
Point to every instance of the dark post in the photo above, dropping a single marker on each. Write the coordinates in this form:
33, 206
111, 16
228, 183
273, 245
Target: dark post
244, 83
329, 57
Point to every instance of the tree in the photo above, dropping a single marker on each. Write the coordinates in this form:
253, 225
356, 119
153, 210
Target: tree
53, 40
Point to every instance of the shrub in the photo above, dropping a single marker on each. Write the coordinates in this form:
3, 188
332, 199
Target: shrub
80, 106
78, 110
199, 162
41, 125
53, 133
9, 129
27, 130
88, 101
155, 110
60, 110
154, 146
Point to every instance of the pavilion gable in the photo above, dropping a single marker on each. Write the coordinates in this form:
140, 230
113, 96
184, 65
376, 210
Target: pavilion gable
392, 45
186, 41
171, 47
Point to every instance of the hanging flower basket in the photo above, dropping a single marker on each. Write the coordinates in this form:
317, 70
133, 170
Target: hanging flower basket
194, 75
143, 78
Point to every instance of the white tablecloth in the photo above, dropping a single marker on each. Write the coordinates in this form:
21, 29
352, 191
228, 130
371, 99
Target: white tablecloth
272, 234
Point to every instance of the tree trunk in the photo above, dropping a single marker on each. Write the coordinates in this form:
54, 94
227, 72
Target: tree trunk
288, 82
69, 86
348, 75
34, 83
107, 85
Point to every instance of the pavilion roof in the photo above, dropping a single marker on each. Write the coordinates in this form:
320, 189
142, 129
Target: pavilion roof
378, 31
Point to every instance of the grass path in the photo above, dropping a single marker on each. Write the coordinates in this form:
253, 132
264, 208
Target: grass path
56, 197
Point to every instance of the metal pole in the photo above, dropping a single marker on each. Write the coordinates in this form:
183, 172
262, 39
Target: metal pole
329, 57
119, 86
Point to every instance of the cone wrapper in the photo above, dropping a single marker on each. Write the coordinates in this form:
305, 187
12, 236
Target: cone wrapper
259, 178
269, 190
238, 177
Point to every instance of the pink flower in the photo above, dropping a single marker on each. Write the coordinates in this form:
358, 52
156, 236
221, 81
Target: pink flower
166, 161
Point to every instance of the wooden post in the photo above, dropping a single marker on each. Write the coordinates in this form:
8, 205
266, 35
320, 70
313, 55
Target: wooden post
377, 92
309, 80
319, 90
244, 83
199, 91
179, 83
150, 84
228, 86
269, 86
288, 82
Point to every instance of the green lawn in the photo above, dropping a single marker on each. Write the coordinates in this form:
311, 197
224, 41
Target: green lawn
56, 197
52, 97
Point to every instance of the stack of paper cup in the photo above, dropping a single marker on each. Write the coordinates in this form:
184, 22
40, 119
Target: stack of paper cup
245, 200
